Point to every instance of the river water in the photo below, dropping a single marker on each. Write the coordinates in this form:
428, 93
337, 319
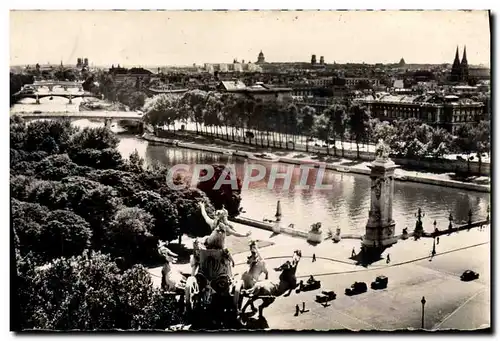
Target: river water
345, 205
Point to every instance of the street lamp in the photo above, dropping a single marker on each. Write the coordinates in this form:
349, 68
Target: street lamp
450, 218
435, 228
488, 216
423, 305
470, 217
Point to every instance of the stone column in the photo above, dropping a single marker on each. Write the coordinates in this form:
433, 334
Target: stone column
37, 100
380, 226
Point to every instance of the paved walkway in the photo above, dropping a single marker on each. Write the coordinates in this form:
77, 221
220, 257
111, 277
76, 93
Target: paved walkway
412, 274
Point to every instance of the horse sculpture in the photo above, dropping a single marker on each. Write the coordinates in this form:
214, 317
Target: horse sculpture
171, 281
194, 259
257, 266
268, 290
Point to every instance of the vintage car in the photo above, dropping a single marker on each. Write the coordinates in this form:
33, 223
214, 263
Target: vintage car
356, 288
380, 282
311, 284
326, 296
469, 275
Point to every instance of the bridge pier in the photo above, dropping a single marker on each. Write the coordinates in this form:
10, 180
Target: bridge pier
37, 100
107, 123
70, 99
51, 87
80, 89
65, 88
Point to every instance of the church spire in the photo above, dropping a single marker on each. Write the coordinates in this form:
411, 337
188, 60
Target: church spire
464, 58
457, 58
464, 67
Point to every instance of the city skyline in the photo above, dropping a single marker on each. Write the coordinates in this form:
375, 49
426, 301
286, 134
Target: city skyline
172, 38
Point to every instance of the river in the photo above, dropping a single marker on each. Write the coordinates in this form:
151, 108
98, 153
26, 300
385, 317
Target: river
346, 205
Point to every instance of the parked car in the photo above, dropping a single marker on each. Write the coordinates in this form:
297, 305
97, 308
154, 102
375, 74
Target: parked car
356, 288
311, 284
326, 296
380, 283
469, 275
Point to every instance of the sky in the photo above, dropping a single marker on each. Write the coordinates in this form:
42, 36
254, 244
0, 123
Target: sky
157, 38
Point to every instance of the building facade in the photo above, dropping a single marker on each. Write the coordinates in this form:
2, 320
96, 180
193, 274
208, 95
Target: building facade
448, 112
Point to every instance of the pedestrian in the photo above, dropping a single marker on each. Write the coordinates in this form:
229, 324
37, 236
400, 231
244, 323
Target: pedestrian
297, 310
437, 239
314, 257
388, 259
353, 253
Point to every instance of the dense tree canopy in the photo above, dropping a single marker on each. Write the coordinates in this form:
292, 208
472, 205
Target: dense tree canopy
74, 194
89, 292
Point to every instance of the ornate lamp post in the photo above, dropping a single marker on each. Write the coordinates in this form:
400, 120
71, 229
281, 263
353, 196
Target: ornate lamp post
423, 307
278, 211
435, 228
419, 228
450, 218
434, 239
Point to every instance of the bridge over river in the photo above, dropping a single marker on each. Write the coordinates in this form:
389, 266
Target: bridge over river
107, 116
37, 96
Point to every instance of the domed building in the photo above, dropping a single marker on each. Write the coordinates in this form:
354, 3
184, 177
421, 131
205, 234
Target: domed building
260, 58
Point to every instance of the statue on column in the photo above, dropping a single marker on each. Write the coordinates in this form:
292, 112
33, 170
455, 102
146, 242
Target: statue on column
382, 151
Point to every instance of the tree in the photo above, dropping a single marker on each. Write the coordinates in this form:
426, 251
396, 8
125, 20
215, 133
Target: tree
212, 113
323, 128
384, 131
129, 235
162, 110
292, 121
465, 141
49, 234
89, 292
94, 138
165, 214
306, 122
65, 234
228, 114
340, 122
52, 137
483, 140
124, 183
186, 201
193, 103
441, 142
226, 195
57, 167
359, 122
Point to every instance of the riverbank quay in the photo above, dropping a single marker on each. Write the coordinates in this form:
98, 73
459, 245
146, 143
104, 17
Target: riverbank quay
330, 163
412, 273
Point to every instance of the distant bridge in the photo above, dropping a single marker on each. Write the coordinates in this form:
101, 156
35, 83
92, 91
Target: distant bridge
38, 96
51, 84
107, 116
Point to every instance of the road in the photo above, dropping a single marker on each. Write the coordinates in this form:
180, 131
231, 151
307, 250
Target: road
451, 303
